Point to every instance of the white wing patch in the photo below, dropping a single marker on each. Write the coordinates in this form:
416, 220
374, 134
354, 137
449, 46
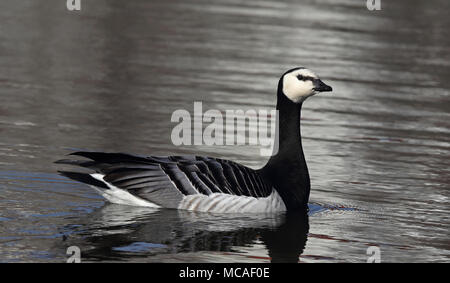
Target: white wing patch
119, 196
225, 203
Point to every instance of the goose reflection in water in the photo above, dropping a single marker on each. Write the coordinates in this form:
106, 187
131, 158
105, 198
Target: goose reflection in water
116, 232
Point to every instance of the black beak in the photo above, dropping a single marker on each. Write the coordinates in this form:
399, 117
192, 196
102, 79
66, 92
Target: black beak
321, 86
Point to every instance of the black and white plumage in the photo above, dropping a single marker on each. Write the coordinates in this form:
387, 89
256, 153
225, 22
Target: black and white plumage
212, 184
183, 182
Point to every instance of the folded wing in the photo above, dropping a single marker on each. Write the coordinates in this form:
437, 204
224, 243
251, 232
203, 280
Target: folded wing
165, 181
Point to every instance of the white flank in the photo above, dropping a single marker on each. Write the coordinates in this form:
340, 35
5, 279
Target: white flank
119, 196
217, 202
225, 203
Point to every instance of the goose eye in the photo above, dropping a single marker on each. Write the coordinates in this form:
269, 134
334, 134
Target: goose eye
300, 77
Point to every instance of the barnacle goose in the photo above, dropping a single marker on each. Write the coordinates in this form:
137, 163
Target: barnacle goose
211, 184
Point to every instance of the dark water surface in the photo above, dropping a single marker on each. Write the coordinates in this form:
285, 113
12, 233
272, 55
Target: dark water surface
110, 76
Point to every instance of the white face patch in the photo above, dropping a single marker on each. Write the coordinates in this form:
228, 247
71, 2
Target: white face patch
298, 90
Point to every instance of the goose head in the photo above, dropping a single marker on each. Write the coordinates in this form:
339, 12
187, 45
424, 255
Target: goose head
300, 83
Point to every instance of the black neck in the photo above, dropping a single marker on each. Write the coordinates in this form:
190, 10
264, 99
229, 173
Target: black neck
287, 169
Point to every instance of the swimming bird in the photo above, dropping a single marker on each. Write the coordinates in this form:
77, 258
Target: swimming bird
211, 184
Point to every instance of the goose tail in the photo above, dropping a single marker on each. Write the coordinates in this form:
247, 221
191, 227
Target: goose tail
84, 178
